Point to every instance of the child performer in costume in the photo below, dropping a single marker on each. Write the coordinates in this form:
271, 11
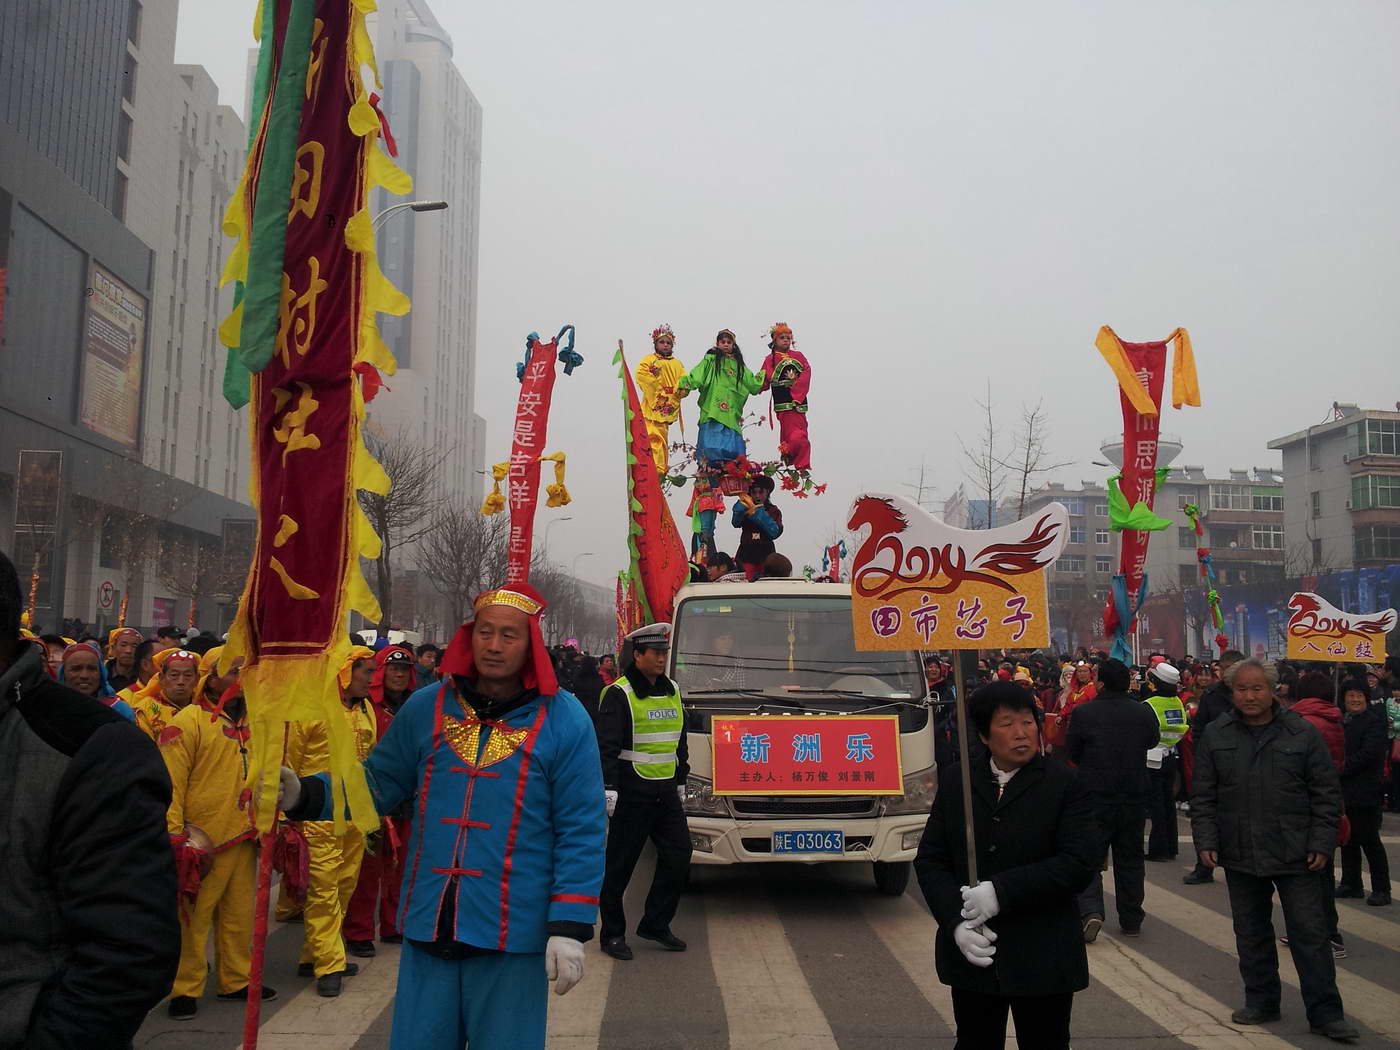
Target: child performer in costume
205, 747
658, 379
759, 522
788, 373
334, 860
381, 871
505, 857
705, 503
725, 386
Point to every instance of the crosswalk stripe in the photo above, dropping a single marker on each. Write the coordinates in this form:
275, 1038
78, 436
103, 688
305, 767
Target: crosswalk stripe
310, 1022
576, 1019
760, 978
908, 936
1374, 1006
1181, 1008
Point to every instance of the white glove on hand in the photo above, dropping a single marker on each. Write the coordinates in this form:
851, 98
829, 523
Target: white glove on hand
610, 800
980, 903
289, 790
563, 963
976, 945
680, 791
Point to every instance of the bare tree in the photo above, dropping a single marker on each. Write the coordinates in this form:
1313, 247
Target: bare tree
1029, 459
463, 554
406, 514
986, 470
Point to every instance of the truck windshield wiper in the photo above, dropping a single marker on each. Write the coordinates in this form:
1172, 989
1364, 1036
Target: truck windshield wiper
724, 692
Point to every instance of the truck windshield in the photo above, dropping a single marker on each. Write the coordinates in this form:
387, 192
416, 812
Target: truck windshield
792, 647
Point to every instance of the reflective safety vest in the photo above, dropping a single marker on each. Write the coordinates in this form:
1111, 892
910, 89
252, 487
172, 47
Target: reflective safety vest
657, 724
1171, 717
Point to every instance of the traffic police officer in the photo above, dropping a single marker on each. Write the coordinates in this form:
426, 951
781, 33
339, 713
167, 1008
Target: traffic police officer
1171, 720
641, 737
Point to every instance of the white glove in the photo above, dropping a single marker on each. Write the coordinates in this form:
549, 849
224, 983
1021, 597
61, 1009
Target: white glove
289, 790
976, 945
563, 963
610, 800
680, 791
980, 903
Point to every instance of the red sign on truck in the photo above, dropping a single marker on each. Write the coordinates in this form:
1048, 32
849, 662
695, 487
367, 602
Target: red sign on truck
808, 755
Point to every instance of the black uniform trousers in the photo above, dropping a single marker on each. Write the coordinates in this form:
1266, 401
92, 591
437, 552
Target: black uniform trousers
1042, 1021
1121, 825
639, 817
1161, 809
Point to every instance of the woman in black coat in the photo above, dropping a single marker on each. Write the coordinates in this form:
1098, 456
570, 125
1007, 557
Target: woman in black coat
1014, 941
1363, 790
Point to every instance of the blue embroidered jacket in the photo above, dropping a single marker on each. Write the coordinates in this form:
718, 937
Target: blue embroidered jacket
513, 808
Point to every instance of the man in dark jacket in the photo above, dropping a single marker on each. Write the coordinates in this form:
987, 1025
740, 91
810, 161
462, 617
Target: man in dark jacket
1214, 702
89, 933
1265, 806
1363, 785
1013, 941
1108, 740
641, 740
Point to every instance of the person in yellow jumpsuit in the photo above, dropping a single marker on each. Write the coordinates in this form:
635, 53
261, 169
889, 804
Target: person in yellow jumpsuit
334, 859
658, 381
205, 748
170, 689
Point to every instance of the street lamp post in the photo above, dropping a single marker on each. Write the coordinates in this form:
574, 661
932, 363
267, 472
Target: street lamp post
544, 542
411, 205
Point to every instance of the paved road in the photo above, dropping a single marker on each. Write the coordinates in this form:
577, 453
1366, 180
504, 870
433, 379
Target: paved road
793, 957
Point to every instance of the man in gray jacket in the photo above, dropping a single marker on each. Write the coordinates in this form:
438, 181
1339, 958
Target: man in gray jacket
1265, 806
89, 933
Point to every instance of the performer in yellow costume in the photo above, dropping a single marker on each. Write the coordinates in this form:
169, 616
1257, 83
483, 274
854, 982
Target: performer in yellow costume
658, 379
169, 690
334, 859
205, 747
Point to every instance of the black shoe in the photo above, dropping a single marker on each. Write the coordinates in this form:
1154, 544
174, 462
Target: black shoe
1254, 1015
1159, 857
1131, 931
298, 917
360, 949
1379, 899
1092, 925
328, 987
309, 970
1338, 1030
268, 994
617, 948
1344, 891
182, 1007
666, 939
391, 938
1197, 878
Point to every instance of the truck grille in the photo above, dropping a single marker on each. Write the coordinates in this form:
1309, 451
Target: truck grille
803, 807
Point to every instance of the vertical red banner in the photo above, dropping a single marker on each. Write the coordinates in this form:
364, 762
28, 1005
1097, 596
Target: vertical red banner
527, 446
1140, 434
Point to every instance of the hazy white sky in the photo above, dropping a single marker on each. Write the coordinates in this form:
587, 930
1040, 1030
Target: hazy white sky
932, 194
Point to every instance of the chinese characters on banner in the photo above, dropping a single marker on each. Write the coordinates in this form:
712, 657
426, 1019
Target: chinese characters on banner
918, 583
1140, 433
527, 446
813, 755
1318, 630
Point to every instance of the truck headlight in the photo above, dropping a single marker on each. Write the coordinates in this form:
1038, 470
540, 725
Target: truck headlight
700, 801
919, 789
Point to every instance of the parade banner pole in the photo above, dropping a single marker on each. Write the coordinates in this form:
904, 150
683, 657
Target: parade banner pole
252, 1014
964, 670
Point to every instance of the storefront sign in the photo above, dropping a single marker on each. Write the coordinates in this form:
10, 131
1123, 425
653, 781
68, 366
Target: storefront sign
114, 350
808, 755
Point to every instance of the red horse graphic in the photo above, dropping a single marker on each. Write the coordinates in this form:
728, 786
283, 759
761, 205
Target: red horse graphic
1012, 552
1314, 616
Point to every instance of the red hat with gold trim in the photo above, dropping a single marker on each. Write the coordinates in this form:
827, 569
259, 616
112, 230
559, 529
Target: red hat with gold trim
538, 672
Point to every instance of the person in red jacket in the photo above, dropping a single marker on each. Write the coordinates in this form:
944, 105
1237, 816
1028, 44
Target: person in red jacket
1317, 703
381, 871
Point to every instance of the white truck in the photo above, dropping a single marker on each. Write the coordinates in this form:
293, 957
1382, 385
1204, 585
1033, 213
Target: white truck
783, 648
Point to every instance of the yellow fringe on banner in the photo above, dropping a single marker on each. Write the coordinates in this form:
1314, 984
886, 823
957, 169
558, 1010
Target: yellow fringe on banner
557, 493
1185, 388
495, 501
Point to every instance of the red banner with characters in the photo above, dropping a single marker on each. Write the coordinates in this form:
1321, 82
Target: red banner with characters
1140, 432
527, 446
811, 755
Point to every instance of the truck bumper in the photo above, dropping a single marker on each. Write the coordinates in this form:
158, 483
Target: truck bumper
720, 840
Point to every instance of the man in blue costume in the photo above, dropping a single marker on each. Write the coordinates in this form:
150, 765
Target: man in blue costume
504, 863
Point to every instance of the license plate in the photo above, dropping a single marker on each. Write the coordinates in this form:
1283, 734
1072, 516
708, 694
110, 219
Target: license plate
809, 842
